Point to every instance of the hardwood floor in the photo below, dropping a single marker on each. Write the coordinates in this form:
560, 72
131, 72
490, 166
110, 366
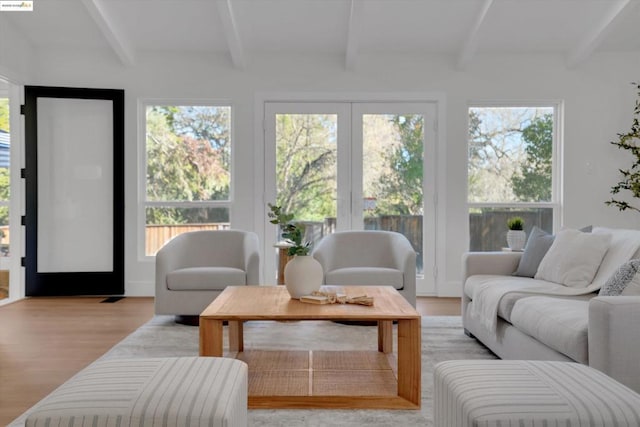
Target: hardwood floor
45, 341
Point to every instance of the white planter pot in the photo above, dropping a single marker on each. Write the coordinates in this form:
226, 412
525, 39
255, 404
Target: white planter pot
516, 239
302, 276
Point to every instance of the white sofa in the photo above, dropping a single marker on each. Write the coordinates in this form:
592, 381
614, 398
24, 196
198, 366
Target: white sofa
527, 323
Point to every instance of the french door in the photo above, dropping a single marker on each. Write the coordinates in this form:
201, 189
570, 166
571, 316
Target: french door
353, 166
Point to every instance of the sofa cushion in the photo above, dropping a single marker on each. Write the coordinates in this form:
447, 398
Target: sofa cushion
624, 243
507, 301
205, 278
560, 323
573, 258
372, 276
538, 244
626, 281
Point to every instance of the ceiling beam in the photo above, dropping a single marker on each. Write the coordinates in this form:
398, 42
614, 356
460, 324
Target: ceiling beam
598, 32
231, 32
353, 33
471, 44
110, 31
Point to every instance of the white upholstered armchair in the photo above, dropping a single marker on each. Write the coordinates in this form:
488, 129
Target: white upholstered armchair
195, 267
369, 258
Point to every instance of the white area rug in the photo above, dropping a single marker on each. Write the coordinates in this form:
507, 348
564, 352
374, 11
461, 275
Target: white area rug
442, 339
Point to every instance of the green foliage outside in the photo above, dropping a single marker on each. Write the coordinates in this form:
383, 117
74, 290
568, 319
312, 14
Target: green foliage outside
533, 183
400, 186
306, 155
4, 172
4, 114
188, 156
510, 155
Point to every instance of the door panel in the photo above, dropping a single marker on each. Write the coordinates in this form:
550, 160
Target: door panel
385, 170
75, 188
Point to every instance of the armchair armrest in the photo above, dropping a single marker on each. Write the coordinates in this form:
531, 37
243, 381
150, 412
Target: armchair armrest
500, 263
614, 338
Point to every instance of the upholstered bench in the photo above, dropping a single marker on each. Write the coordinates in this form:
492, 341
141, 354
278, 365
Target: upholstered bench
179, 392
530, 393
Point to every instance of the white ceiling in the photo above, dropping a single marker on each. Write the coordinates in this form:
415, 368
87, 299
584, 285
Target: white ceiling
464, 29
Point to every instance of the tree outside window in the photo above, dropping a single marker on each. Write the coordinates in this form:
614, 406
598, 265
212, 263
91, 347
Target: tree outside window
510, 171
188, 172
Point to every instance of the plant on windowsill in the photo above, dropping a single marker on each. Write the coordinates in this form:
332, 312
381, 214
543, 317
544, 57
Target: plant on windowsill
303, 274
630, 177
516, 237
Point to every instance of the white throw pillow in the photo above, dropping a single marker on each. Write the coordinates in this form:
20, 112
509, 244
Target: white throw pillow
624, 243
573, 258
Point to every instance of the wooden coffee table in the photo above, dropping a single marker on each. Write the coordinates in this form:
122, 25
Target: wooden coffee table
321, 379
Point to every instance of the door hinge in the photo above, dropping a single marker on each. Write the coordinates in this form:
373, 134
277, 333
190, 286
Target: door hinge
23, 220
22, 109
23, 262
23, 173
435, 272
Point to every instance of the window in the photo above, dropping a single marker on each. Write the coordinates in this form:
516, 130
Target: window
340, 166
511, 171
4, 194
188, 176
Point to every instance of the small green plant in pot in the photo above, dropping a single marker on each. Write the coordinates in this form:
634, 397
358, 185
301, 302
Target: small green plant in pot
303, 274
516, 237
515, 223
291, 231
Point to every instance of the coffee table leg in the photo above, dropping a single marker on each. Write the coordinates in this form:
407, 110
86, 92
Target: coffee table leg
385, 336
409, 365
236, 335
210, 337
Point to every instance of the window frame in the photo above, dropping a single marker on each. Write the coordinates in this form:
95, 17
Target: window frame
556, 201
143, 203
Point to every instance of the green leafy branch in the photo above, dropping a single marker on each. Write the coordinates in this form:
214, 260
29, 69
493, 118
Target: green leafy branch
630, 177
291, 232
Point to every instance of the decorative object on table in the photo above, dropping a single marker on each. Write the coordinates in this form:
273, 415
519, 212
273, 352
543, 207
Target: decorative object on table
630, 177
303, 274
516, 237
335, 295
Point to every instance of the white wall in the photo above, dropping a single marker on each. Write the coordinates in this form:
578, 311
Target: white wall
598, 103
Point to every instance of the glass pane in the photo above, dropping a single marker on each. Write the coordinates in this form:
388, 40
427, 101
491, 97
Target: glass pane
188, 152
488, 226
4, 197
164, 223
510, 154
306, 170
75, 185
393, 156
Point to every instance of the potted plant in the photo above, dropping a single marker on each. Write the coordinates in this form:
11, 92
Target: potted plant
516, 237
630, 177
303, 274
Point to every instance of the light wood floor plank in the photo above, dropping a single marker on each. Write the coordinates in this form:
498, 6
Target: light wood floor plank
45, 341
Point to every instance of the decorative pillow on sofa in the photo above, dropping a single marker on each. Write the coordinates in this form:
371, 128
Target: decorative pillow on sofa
573, 258
623, 246
626, 281
538, 244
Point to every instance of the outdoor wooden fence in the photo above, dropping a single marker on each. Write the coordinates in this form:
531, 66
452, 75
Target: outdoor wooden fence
157, 235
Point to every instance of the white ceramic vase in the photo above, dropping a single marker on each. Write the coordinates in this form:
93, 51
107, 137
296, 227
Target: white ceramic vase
516, 239
302, 276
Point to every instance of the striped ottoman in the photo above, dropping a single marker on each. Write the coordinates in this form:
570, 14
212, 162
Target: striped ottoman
180, 392
530, 394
